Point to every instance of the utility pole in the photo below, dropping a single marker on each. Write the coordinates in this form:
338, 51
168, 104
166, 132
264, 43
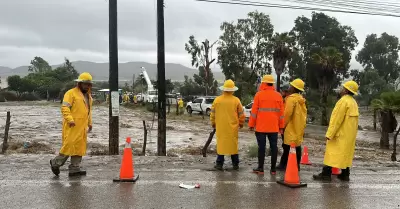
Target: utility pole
113, 148
162, 121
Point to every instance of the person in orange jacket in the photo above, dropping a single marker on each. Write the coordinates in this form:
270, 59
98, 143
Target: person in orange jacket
267, 119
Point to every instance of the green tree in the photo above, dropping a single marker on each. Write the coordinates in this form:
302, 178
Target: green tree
246, 49
388, 104
371, 84
39, 65
330, 63
15, 83
326, 37
206, 82
169, 86
202, 59
283, 43
382, 54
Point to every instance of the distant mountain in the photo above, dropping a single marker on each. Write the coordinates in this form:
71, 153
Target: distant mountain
100, 71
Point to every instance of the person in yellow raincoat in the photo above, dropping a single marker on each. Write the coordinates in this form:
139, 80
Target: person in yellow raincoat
126, 98
77, 122
295, 122
181, 107
341, 135
227, 117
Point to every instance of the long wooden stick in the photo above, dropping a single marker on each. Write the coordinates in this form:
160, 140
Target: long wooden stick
7, 128
144, 139
210, 137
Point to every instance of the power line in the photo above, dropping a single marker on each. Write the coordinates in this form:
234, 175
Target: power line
356, 5
249, 3
324, 4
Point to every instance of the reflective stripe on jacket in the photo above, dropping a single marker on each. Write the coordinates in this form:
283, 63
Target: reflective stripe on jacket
267, 113
75, 109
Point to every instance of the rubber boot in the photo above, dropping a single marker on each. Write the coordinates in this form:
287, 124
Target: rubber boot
55, 169
258, 170
325, 175
344, 175
218, 167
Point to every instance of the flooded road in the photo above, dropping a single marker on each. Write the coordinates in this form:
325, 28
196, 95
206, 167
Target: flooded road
29, 183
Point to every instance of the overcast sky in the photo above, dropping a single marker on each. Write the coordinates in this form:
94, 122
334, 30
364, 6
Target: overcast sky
78, 29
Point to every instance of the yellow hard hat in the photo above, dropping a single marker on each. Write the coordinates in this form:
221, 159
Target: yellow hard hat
298, 84
84, 78
351, 86
229, 85
268, 79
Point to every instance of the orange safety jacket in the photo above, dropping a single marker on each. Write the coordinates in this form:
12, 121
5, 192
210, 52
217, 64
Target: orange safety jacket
267, 113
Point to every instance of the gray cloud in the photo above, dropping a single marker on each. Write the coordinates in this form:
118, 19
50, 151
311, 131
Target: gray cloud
78, 29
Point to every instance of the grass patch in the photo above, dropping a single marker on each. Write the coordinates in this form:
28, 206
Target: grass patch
252, 151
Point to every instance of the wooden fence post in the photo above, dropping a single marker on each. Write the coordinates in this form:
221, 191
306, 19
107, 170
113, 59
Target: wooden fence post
7, 128
144, 138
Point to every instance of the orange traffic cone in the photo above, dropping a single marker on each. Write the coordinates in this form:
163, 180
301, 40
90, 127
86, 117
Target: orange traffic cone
304, 159
292, 178
336, 171
127, 172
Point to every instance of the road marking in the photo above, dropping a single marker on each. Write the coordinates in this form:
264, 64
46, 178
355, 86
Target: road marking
94, 183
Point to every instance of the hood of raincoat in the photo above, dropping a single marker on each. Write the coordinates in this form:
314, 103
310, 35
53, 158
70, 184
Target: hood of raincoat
295, 119
264, 86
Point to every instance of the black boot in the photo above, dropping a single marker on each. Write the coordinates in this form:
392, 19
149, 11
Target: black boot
344, 175
325, 175
55, 169
218, 167
258, 170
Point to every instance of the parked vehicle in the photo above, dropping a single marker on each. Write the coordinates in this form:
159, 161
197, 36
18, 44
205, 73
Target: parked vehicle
247, 110
201, 104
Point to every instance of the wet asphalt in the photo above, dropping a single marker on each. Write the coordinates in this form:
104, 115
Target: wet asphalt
23, 185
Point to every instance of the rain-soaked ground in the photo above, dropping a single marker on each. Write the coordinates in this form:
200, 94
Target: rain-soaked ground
40, 122
27, 182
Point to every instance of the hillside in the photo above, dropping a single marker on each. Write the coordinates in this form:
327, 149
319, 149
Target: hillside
100, 71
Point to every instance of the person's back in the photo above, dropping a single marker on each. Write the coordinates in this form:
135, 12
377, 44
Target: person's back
226, 109
266, 118
268, 105
296, 118
227, 117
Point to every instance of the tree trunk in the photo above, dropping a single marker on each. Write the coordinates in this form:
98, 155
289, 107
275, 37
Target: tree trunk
394, 154
278, 82
385, 129
324, 109
375, 119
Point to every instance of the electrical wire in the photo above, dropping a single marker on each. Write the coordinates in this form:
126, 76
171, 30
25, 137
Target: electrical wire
325, 3
340, 4
250, 3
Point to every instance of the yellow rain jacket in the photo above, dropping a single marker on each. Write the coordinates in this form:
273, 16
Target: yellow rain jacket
342, 132
74, 108
180, 103
126, 98
226, 116
295, 119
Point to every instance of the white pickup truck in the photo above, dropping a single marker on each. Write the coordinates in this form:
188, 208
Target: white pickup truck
201, 103
247, 110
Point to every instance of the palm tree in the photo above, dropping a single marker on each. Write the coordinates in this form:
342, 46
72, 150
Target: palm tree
283, 44
330, 62
388, 105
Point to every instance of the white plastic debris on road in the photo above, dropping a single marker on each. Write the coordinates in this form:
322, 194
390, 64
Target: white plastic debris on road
185, 186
